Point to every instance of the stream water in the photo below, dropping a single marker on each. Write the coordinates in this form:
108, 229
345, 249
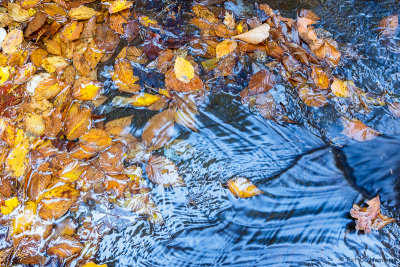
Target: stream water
310, 184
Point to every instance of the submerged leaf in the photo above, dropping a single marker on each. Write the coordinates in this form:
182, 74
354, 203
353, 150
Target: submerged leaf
163, 171
158, 130
184, 71
243, 188
256, 35
225, 47
339, 88
358, 131
388, 25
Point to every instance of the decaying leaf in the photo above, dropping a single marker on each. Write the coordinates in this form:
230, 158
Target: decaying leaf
158, 130
370, 218
85, 89
184, 71
261, 82
312, 98
17, 161
9, 205
358, 131
82, 13
111, 160
243, 188
163, 171
388, 25
321, 80
256, 35
25, 217
64, 247
123, 75
173, 83
225, 47
95, 140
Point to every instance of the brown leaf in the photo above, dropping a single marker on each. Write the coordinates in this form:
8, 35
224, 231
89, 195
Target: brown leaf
256, 35
77, 122
185, 111
91, 178
163, 171
53, 122
261, 82
320, 78
243, 188
158, 130
306, 31
82, 13
64, 247
387, 27
204, 13
369, 218
80, 64
291, 64
123, 75
273, 49
106, 38
312, 98
37, 21
306, 13
72, 31
37, 56
358, 131
58, 13
111, 160
226, 65
174, 84
119, 127
95, 140
24, 73
229, 20
36, 183
12, 41
85, 89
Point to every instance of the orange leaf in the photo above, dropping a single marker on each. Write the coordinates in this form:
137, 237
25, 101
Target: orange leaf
64, 247
72, 31
119, 5
123, 75
243, 188
320, 78
358, 131
77, 122
86, 89
225, 47
158, 130
12, 41
339, 88
312, 98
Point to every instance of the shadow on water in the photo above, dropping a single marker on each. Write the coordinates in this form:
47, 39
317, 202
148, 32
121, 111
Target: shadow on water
310, 186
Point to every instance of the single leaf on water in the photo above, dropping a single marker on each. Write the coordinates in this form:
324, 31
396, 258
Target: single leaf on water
158, 130
163, 171
358, 131
388, 25
225, 47
243, 188
256, 35
339, 88
184, 71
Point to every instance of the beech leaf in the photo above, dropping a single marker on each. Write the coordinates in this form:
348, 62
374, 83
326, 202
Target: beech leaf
256, 35
243, 188
158, 130
163, 171
184, 71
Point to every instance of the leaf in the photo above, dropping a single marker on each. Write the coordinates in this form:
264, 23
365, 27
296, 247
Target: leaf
256, 35
82, 13
58, 13
17, 13
123, 75
9, 205
306, 31
158, 130
204, 13
387, 27
321, 80
173, 83
71, 172
12, 41
72, 31
24, 73
64, 247
261, 82
243, 188
358, 131
91, 264
43, 86
370, 218
80, 63
312, 98
34, 123
111, 160
184, 71
106, 38
119, 126
54, 64
37, 56
163, 171
85, 89
394, 108
55, 202
37, 21
339, 88
138, 100
36, 183
17, 161
225, 47
229, 20
27, 4
95, 140
25, 217
119, 5
77, 122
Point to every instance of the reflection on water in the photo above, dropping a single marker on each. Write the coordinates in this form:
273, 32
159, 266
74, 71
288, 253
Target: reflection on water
303, 217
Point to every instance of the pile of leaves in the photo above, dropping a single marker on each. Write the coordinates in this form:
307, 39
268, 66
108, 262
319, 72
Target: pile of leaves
57, 155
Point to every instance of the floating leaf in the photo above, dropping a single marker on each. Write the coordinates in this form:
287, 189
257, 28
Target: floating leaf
36, 183
95, 140
172, 82
138, 100
111, 160
38, 20
321, 80
54, 64
158, 130
358, 131
91, 264
34, 123
77, 122
261, 82
12, 41
339, 88
184, 71
256, 35
243, 188
163, 171
204, 13
25, 217
225, 47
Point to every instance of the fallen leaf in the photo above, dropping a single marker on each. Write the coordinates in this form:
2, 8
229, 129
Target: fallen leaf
106, 38
37, 21
95, 140
256, 35
80, 63
320, 78
243, 188
123, 75
77, 122
12, 41
261, 82
58, 13
9, 205
111, 160
119, 5
64, 247
370, 218
91, 264
184, 71
85, 89
158, 130
204, 13
71, 172
36, 183
173, 83
82, 13
225, 47
72, 31
17, 161
24, 73
358, 131
312, 98
339, 88
387, 27
37, 56
229, 20
163, 171
55, 64
34, 123
17, 13
138, 100
25, 217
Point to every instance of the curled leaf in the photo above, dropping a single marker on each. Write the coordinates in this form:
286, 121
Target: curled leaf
256, 35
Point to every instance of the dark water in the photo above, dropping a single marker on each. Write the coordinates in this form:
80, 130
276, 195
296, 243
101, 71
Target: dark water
310, 185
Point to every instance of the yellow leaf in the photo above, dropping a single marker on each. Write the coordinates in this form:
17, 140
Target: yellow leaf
139, 100
146, 21
184, 71
12, 41
225, 47
77, 122
243, 188
91, 264
82, 13
5, 74
320, 78
72, 172
9, 205
256, 35
17, 161
24, 218
17, 13
119, 5
27, 4
123, 74
34, 123
339, 88
86, 89
72, 31
54, 64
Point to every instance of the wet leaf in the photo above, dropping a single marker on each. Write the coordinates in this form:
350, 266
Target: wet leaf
320, 78
369, 218
339, 88
158, 130
111, 160
312, 98
394, 108
64, 247
173, 83
184, 71
17, 13
85, 89
37, 21
9, 205
77, 122
55, 64
71, 172
119, 5
204, 13
123, 75
82, 13
17, 161
358, 131
12, 41
229, 20
34, 123
388, 25
119, 126
256, 35
225, 47
25, 217
106, 38
72, 31
95, 140
55, 202
261, 82
24, 73
243, 188
163, 171
138, 100
37, 56
36, 183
